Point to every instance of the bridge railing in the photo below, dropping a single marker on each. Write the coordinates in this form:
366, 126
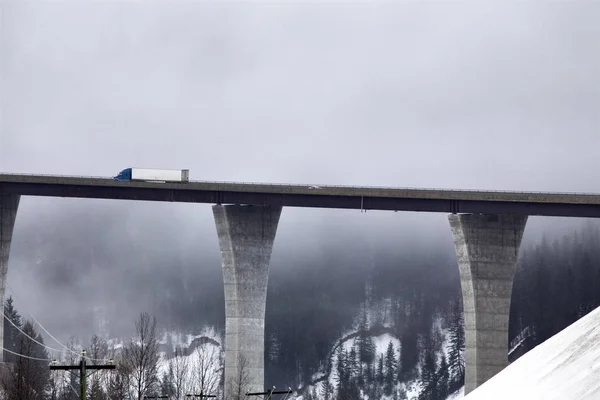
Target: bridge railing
316, 186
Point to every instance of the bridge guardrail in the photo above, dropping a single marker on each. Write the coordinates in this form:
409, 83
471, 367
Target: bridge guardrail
335, 186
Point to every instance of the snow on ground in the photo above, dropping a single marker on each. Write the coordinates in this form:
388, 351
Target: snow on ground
382, 342
566, 366
412, 388
183, 342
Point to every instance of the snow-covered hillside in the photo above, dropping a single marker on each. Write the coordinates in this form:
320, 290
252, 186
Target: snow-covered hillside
188, 363
184, 358
383, 339
566, 366
191, 362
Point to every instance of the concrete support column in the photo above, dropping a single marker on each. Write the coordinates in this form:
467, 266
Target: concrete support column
8, 214
487, 247
246, 235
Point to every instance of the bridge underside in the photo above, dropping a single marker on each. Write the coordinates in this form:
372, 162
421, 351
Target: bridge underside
352, 198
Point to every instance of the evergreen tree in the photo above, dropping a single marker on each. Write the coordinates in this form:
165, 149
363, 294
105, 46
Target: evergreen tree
343, 371
98, 351
349, 391
167, 383
390, 369
456, 361
428, 376
364, 341
347, 383
586, 270
118, 384
556, 284
97, 391
402, 394
443, 378
352, 361
29, 377
399, 364
570, 307
380, 372
11, 333
326, 390
409, 356
310, 394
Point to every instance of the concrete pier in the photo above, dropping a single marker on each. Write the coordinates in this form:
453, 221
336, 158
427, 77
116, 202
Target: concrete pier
246, 235
487, 247
8, 214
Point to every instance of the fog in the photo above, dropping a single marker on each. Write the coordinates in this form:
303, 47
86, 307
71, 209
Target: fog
482, 95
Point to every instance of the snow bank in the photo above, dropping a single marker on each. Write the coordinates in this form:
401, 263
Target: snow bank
566, 366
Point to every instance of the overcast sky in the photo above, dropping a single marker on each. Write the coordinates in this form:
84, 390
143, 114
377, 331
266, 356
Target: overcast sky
490, 95
496, 95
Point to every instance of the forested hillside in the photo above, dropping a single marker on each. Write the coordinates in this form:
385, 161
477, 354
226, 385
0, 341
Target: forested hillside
384, 321
557, 283
395, 293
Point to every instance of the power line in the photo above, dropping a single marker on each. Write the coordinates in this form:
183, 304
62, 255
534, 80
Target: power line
24, 356
13, 293
29, 337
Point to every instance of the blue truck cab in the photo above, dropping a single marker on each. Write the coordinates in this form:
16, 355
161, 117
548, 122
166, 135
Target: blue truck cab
124, 175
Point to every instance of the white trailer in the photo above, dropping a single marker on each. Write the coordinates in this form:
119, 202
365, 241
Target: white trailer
154, 175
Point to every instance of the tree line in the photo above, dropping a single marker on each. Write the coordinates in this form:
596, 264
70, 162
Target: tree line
556, 283
26, 373
413, 293
360, 371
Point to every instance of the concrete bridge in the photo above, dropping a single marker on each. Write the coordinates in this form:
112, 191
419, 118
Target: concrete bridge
487, 228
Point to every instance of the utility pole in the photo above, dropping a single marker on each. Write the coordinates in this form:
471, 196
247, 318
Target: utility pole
82, 367
201, 395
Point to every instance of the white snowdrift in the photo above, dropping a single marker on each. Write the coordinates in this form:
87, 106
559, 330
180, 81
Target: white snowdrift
565, 367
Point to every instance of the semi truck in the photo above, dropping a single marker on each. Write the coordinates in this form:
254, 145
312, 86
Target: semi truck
153, 175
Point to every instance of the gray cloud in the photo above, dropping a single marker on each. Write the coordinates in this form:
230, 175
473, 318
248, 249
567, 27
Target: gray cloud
468, 95
458, 94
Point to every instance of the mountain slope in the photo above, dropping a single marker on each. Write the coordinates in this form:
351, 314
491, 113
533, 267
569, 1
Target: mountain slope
566, 366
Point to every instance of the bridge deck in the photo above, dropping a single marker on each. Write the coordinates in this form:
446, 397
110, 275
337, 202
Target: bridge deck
321, 196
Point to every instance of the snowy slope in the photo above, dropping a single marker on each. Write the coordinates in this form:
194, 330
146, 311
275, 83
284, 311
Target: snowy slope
566, 366
198, 354
411, 389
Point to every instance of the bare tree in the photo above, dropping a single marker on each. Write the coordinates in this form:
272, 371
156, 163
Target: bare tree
98, 351
208, 362
56, 379
140, 358
180, 367
70, 379
119, 381
238, 385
